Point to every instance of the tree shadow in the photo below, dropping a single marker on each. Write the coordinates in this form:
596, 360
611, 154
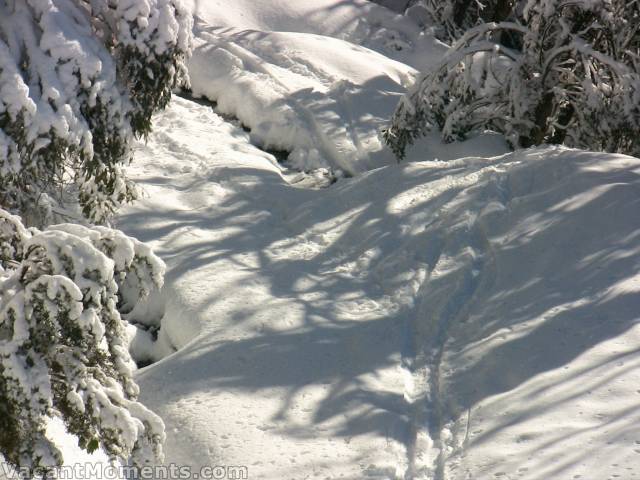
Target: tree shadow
552, 247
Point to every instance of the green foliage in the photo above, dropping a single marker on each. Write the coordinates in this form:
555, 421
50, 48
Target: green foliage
72, 101
63, 349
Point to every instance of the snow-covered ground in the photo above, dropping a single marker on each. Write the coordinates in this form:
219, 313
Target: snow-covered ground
468, 319
316, 79
469, 314
357, 21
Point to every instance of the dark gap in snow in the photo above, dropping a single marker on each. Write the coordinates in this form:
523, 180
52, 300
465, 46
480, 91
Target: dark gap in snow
141, 344
281, 155
141, 363
152, 330
232, 119
146, 346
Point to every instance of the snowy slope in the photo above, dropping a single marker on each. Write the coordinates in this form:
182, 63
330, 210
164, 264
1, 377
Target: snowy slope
357, 21
319, 98
470, 319
316, 79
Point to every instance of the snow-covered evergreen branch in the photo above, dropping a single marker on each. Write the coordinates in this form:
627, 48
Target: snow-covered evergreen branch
79, 79
62, 342
569, 74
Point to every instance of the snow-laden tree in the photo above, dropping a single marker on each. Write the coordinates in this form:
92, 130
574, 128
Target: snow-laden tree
78, 80
572, 77
62, 343
451, 18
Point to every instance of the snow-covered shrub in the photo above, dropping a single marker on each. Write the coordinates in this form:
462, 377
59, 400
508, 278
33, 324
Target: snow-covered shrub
62, 342
396, 5
451, 18
572, 76
79, 79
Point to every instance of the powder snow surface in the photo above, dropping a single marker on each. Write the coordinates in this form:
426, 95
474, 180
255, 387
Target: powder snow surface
468, 319
316, 79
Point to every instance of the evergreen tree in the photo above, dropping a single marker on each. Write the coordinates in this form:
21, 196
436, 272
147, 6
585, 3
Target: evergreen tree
452, 18
571, 77
62, 342
78, 80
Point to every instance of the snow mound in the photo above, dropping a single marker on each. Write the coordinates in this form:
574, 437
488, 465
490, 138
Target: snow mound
476, 318
317, 97
318, 79
357, 21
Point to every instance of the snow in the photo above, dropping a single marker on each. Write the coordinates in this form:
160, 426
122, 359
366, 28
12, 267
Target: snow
79, 464
62, 280
306, 94
462, 319
357, 21
467, 314
282, 73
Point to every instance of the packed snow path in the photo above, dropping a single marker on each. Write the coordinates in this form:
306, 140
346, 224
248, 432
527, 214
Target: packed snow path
463, 320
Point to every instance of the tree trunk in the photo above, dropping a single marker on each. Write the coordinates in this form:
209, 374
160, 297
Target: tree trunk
539, 131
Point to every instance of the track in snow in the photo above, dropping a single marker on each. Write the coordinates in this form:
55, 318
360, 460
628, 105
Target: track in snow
362, 331
344, 285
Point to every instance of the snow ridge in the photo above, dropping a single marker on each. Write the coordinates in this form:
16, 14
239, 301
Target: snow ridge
303, 93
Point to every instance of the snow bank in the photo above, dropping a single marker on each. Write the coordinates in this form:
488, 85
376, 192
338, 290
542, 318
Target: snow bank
318, 79
476, 318
357, 21
319, 98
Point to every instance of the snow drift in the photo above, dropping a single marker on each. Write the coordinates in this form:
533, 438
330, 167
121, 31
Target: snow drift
316, 79
473, 318
476, 318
